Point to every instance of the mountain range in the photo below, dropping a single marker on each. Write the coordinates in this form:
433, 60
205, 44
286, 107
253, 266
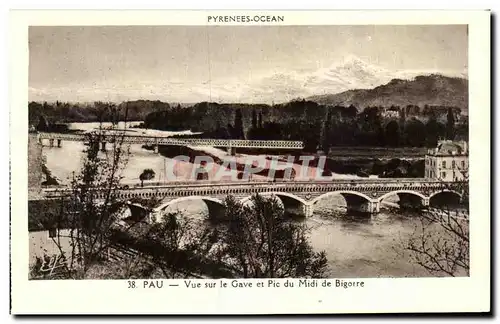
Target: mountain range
278, 86
434, 89
353, 74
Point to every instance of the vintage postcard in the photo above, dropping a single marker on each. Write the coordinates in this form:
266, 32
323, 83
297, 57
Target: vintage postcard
256, 162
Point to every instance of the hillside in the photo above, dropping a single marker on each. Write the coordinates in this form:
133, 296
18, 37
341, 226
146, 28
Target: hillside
433, 90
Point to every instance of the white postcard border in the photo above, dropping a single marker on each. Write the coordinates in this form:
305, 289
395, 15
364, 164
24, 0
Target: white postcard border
379, 295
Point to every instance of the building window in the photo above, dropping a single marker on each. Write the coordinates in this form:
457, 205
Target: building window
444, 164
463, 164
443, 175
52, 232
453, 164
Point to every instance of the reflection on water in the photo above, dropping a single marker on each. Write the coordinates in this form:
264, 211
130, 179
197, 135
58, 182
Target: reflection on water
364, 247
355, 247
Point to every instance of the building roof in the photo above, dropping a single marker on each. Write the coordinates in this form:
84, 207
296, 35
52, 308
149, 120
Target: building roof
450, 148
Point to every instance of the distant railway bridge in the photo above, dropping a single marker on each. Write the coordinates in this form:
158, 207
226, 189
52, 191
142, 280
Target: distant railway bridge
58, 138
361, 195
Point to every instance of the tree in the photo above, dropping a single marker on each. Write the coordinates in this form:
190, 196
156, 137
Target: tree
433, 131
259, 242
94, 223
392, 133
310, 135
325, 143
43, 125
254, 119
231, 131
147, 174
173, 247
450, 125
440, 243
238, 125
253, 132
93, 206
350, 112
372, 132
414, 133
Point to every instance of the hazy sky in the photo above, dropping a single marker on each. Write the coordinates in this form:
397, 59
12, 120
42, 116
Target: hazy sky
183, 63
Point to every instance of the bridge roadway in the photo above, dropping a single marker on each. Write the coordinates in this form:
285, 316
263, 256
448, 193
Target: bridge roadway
158, 140
363, 195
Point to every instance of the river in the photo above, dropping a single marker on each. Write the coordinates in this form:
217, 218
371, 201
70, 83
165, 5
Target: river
355, 248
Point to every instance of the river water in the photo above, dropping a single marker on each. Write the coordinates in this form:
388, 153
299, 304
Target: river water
355, 247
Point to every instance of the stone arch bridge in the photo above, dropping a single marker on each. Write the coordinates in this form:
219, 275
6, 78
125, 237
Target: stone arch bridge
361, 195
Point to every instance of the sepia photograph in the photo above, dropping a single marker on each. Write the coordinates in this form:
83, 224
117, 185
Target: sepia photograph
291, 151
247, 148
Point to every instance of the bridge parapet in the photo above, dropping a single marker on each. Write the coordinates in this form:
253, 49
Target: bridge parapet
305, 190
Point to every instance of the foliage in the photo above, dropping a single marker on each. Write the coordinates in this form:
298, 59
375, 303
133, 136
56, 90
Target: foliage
259, 242
254, 119
94, 211
147, 174
434, 130
173, 247
325, 145
185, 245
92, 208
43, 125
65, 112
296, 120
238, 125
414, 133
392, 134
441, 243
450, 125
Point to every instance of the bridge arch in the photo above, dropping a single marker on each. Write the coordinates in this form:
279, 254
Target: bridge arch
216, 207
407, 198
181, 199
292, 204
277, 194
355, 201
445, 197
445, 190
342, 193
410, 192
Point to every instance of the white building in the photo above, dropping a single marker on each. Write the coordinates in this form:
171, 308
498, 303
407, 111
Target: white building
449, 161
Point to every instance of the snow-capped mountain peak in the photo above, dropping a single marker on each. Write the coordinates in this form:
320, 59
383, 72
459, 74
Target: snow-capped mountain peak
351, 72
